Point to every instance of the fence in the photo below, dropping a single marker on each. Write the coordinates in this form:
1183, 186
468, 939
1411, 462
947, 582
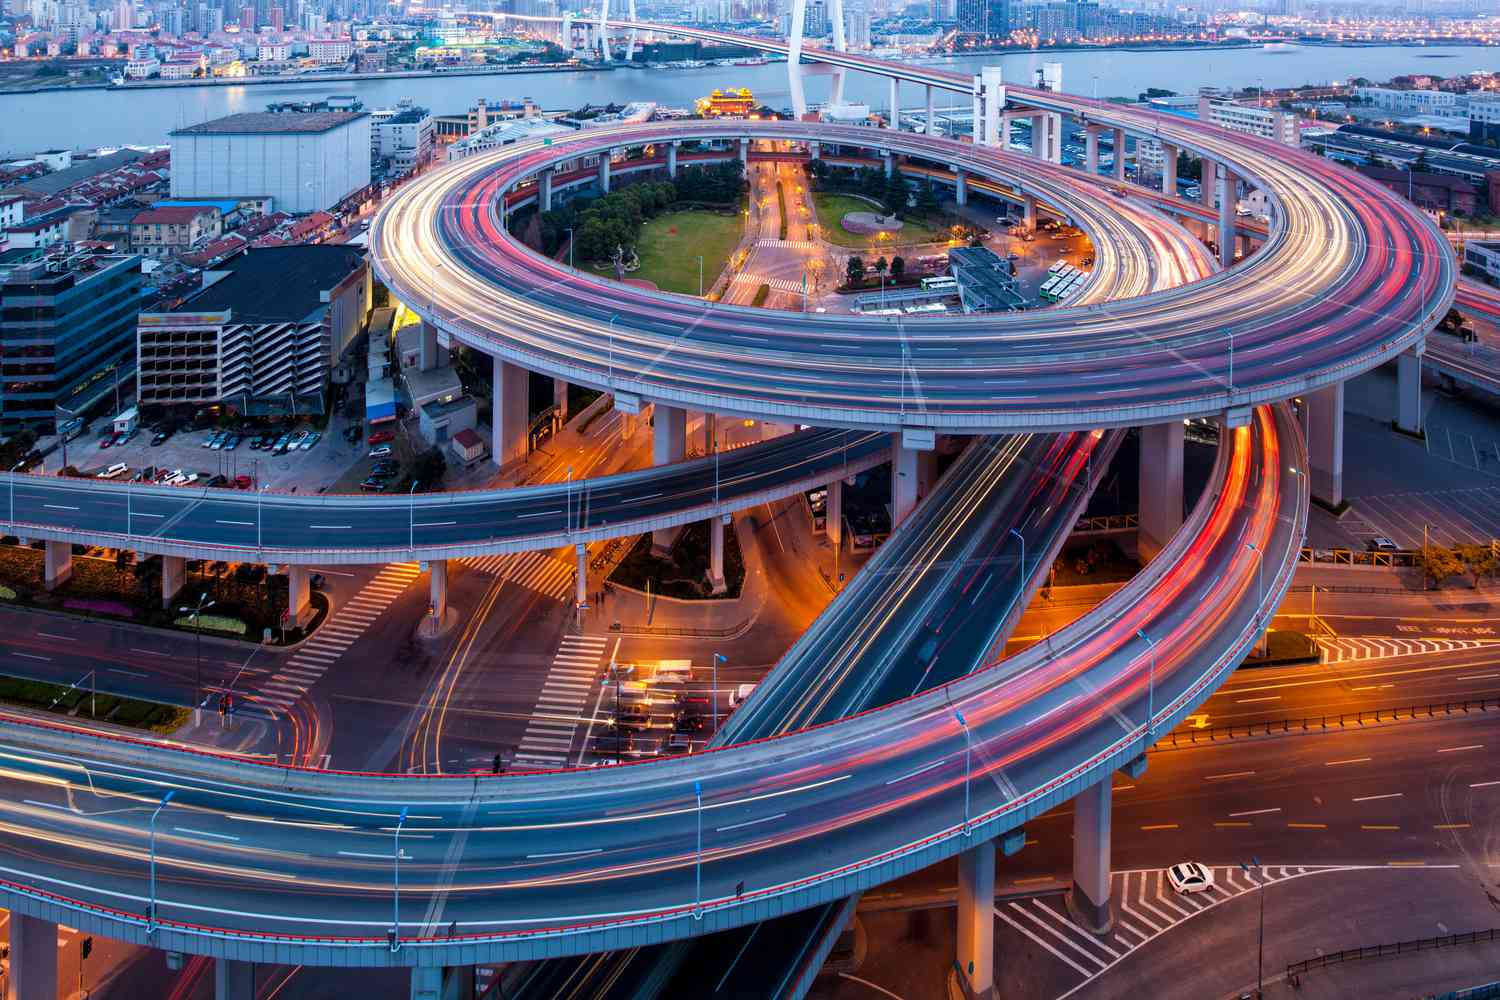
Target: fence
1387, 950
1322, 723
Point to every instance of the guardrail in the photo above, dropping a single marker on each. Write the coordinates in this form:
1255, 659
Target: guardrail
1106, 522
1386, 950
1323, 723
1486, 992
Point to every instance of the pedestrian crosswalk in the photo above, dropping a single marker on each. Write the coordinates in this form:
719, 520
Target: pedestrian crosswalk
1144, 906
787, 244
537, 571
561, 705
313, 658
1351, 649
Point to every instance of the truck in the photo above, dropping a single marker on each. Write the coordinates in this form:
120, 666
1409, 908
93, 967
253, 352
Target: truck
1455, 325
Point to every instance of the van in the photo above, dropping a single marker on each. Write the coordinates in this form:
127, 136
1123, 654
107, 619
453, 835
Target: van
674, 671
114, 471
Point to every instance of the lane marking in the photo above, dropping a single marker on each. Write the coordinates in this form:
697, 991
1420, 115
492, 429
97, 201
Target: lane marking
1375, 798
331, 527
1226, 777
1251, 701
1243, 822
1307, 826
58, 506
1378, 826
1450, 826
1256, 812
64, 638
1351, 760
749, 822
243, 524
33, 656
1160, 826
567, 854
1472, 746
204, 833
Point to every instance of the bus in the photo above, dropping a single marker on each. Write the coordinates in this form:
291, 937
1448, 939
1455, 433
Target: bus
941, 283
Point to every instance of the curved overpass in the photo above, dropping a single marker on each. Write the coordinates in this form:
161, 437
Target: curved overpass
284, 865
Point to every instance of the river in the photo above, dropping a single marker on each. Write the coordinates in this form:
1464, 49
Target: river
89, 118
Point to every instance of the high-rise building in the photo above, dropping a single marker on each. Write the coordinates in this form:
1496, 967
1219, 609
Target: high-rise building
124, 15
247, 18
276, 18
64, 324
989, 19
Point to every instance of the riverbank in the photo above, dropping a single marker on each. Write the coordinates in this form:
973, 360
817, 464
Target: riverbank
324, 78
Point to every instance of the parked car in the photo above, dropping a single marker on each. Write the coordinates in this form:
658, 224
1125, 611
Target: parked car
211, 440
1189, 876
310, 440
232, 442
295, 440
106, 441
372, 485
218, 481
280, 447
380, 451
243, 482
382, 437
1380, 543
160, 437
114, 471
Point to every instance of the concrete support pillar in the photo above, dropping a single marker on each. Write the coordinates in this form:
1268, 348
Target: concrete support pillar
927, 119
1091, 150
887, 161
544, 190
833, 509
437, 571
1325, 443
560, 399
233, 980
437, 983
814, 152
581, 576
1408, 394
976, 921
604, 171
895, 118
716, 553
1208, 184
1028, 209
1169, 170
1089, 900
672, 158
961, 187
1160, 486
173, 572
1227, 204
904, 480
668, 445
1120, 154
434, 353
33, 959
1039, 135
744, 152
510, 412
57, 564
710, 433
298, 594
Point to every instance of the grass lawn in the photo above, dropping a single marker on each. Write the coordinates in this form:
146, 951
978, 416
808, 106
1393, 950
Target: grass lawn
670, 245
833, 207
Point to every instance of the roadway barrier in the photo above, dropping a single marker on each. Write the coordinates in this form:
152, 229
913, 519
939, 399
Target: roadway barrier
1325, 723
1486, 992
1295, 969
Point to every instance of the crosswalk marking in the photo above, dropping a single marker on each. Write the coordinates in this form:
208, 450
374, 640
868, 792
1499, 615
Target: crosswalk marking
538, 571
1350, 649
561, 703
1144, 906
786, 244
310, 662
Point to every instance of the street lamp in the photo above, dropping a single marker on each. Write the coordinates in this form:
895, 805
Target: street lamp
396, 886
968, 755
698, 865
715, 698
196, 615
570, 246
13, 470
1150, 684
151, 904
1021, 579
1260, 961
412, 515
700, 276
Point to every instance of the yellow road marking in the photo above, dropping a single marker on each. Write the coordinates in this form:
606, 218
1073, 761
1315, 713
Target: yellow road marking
1161, 826
1378, 826
1307, 826
1238, 823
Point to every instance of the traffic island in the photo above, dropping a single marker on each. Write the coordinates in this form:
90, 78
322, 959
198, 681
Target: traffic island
80, 701
682, 574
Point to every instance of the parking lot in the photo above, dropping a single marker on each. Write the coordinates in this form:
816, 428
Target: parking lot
302, 470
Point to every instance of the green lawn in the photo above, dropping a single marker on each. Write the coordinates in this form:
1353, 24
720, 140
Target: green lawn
670, 245
833, 207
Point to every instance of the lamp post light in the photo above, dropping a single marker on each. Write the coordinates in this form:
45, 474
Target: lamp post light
13, 470
968, 761
698, 864
396, 886
715, 699
196, 614
1260, 960
151, 903
1150, 684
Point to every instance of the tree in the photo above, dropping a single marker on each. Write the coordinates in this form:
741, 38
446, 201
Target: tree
926, 201
856, 270
429, 469
896, 192
881, 265
123, 559
898, 268
1479, 560
1439, 563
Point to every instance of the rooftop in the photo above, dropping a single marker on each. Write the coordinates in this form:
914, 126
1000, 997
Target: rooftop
273, 123
275, 284
80, 171
170, 215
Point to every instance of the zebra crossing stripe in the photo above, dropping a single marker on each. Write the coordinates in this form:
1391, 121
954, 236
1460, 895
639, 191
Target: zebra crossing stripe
1055, 953
1352, 649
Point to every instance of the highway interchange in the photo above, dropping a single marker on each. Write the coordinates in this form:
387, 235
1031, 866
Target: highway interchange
527, 866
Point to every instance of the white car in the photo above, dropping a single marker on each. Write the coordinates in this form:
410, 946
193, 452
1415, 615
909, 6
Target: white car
1189, 876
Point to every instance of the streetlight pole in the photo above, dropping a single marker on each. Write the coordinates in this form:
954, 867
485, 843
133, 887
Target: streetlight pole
968, 755
13, 470
1260, 960
1021, 578
1150, 684
698, 865
412, 515
151, 904
715, 699
197, 614
396, 886
570, 246
700, 276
